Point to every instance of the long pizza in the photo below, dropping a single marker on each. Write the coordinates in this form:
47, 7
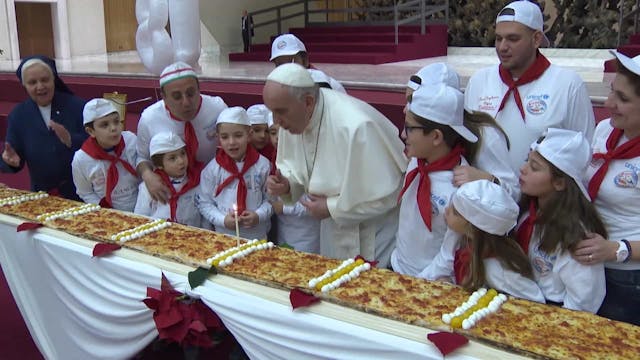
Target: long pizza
520, 326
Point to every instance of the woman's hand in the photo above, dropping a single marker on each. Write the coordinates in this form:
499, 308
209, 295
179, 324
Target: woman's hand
463, 174
61, 132
595, 249
10, 156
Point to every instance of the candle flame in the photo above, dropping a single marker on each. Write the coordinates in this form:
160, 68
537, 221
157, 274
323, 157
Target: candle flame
235, 207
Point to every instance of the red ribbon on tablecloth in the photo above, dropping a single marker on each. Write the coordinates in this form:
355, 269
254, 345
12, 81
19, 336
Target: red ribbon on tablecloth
447, 342
28, 226
299, 298
102, 249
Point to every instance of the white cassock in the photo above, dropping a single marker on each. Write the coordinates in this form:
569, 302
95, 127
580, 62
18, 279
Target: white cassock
351, 154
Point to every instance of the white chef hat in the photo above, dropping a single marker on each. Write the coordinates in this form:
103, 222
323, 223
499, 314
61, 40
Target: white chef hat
164, 142
442, 104
632, 64
270, 122
291, 74
487, 206
433, 74
526, 13
286, 45
567, 150
97, 108
257, 114
234, 115
176, 71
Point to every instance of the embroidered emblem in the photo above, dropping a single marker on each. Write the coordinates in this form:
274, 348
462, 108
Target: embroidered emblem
536, 107
626, 179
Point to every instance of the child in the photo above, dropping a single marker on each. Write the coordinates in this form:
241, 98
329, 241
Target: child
434, 136
260, 131
236, 177
104, 168
556, 214
295, 226
483, 214
169, 156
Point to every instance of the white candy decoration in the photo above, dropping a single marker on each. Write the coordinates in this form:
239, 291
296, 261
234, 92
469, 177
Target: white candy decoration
140, 231
14, 200
74, 211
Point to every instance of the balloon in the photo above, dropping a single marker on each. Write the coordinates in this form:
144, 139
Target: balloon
155, 47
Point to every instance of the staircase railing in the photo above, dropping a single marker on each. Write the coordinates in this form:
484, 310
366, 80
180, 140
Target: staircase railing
635, 13
421, 10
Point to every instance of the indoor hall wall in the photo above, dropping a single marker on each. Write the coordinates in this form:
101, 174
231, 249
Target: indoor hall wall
86, 27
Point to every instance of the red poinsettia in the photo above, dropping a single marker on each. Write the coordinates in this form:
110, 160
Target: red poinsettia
180, 318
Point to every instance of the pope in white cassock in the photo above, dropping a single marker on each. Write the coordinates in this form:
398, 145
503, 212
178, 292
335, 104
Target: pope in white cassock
344, 156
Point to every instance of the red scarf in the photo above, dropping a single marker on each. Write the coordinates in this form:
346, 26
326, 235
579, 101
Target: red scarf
190, 138
91, 147
461, 263
628, 150
193, 174
534, 71
272, 160
227, 163
525, 231
424, 188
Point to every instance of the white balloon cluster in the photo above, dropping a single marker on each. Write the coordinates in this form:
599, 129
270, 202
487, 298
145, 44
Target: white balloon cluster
155, 47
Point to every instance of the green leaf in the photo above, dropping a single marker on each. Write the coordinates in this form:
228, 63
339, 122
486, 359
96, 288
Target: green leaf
286, 246
199, 275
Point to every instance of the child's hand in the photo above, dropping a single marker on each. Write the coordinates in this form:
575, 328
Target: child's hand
248, 218
278, 207
230, 221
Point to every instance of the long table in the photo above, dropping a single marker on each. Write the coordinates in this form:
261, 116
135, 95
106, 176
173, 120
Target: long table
80, 307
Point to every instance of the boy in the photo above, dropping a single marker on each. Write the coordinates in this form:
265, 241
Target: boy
169, 156
260, 131
104, 167
434, 135
295, 226
236, 177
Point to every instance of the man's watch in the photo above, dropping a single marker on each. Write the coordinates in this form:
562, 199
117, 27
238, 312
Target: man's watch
623, 253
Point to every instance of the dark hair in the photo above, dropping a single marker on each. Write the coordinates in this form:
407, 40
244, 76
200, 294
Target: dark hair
634, 78
565, 217
157, 160
451, 137
504, 248
475, 121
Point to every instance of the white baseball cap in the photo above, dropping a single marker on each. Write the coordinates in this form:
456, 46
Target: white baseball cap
433, 74
527, 14
291, 74
164, 142
175, 71
286, 45
270, 122
97, 108
487, 206
442, 104
631, 64
234, 115
567, 150
257, 114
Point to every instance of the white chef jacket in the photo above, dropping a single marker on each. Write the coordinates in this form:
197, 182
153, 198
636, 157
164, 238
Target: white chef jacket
299, 229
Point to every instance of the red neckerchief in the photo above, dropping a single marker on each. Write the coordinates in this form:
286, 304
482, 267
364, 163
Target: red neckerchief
190, 137
534, 71
448, 162
193, 174
525, 231
269, 151
227, 163
461, 263
628, 150
91, 147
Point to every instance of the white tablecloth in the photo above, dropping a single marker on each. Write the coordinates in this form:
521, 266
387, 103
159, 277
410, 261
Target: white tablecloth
79, 307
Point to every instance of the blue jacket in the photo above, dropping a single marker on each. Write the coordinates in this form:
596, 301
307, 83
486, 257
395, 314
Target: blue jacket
48, 159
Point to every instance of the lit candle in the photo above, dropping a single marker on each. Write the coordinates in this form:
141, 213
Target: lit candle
235, 214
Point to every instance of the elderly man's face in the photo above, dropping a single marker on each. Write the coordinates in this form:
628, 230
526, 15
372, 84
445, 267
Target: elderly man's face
182, 97
290, 113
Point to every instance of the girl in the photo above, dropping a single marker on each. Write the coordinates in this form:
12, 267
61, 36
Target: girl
556, 214
483, 214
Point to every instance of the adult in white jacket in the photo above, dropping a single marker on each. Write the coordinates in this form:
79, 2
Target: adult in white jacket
342, 152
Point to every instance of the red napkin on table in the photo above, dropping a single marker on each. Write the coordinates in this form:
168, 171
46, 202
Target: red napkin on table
28, 226
103, 249
299, 298
185, 321
447, 342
